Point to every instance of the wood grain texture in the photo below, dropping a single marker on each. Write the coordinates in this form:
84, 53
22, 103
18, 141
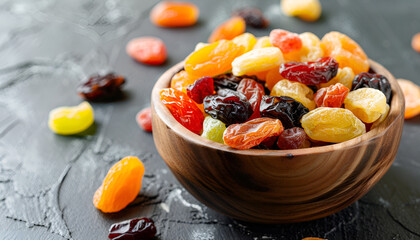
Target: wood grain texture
277, 186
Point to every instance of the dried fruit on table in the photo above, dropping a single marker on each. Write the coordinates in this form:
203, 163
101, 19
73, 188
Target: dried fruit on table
102, 87
346, 51
249, 134
262, 42
174, 14
247, 40
381, 119
254, 92
147, 50
332, 96
121, 185
228, 106
310, 73
285, 40
293, 138
332, 125
287, 110
375, 81
71, 120
144, 119
344, 76
253, 17
213, 129
228, 30
181, 80
213, 59
257, 60
412, 98
311, 47
184, 110
137, 228
415, 42
273, 77
296, 90
367, 104
200, 89
307, 10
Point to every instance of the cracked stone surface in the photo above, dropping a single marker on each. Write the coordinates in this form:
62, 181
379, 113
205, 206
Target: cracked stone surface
47, 181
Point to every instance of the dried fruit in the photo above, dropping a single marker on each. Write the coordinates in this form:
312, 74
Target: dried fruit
412, 98
228, 106
415, 42
286, 109
373, 80
273, 77
247, 40
137, 228
121, 185
254, 92
344, 76
268, 143
332, 96
181, 81
174, 14
307, 10
345, 51
293, 138
381, 119
367, 104
257, 60
249, 134
296, 90
311, 47
102, 87
310, 73
144, 119
147, 50
213, 129
71, 120
262, 42
285, 40
253, 17
200, 89
228, 30
184, 110
332, 125
228, 81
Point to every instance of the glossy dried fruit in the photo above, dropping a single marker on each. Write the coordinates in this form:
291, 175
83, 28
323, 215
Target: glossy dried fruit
296, 90
412, 98
228, 106
174, 14
144, 119
268, 143
249, 134
307, 10
213, 59
382, 118
213, 129
254, 92
121, 185
415, 42
332, 125
181, 80
345, 51
285, 40
311, 47
147, 50
262, 42
102, 87
293, 138
344, 76
228, 30
253, 17
257, 60
71, 120
200, 89
273, 77
367, 104
375, 81
137, 228
247, 40
310, 73
184, 110
332, 96
286, 109
228, 81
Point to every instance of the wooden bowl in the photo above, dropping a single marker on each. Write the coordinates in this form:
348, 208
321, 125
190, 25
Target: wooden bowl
277, 186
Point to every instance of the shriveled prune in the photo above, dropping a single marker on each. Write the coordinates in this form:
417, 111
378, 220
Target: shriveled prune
288, 110
229, 81
252, 16
228, 106
137, 228
201, 88
102, 87
372, 80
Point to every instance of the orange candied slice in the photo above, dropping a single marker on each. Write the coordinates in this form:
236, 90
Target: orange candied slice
213, 59
174, 14
228, 30
412, 98
346, 51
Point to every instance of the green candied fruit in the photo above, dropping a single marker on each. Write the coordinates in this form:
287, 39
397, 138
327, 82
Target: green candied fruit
213, 129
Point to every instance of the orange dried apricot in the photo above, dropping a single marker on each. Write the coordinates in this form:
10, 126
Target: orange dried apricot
412, 98
174, 14
273, 76
228, 30
415, 42
182, 80
120, 186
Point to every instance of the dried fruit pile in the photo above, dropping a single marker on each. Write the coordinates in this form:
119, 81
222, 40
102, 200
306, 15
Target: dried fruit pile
283, 91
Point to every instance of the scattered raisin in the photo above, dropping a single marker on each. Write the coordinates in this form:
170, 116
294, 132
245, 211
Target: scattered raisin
252, 16
102, 87
137, 228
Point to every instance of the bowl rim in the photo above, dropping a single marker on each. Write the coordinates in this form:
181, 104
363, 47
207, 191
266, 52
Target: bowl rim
396, 111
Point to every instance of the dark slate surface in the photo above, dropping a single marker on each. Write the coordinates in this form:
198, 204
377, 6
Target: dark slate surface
47, 181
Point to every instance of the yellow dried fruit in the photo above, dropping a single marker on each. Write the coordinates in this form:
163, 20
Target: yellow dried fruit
257, 60
367, 104
296, 90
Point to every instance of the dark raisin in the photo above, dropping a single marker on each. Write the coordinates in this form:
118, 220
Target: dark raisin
253, 17
229, 81
137, 228
102, 88
268, 143
286, 109
228, 106
200, 89
310, 73
293, 138
372, 80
